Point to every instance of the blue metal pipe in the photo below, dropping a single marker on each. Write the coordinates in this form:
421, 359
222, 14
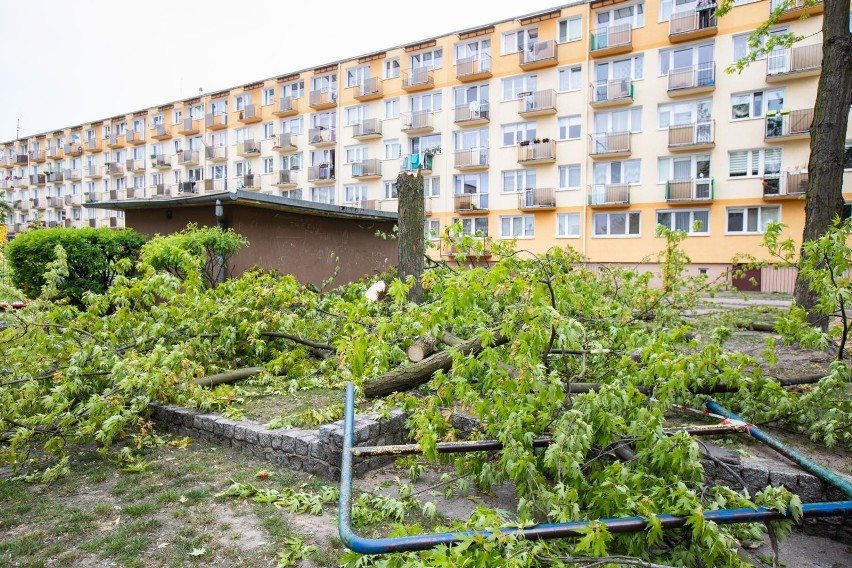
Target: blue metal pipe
545, 531
824, 474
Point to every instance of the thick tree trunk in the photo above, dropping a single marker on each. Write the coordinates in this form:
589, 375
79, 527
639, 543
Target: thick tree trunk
412, 218
824, 199
420, 349
410, 376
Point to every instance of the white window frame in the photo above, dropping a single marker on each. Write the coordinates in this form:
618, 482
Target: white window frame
609, 215
518, 131
564, 29
766, 96
566, 123
526, 224
432, 229
390, 190
428, 59
268, 96
570, 79
756, 156
391, 68
509, 40
390, 108
565, 177
704, 231
432, 186
761, 222
354, 192
518, 84
473, 226
637, 17
516, 181
392, 150
562, 225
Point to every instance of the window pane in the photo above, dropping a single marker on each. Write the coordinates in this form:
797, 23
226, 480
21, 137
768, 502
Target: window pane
751, 221
735, 220
701, 221
634, 223
618, 224
600, 223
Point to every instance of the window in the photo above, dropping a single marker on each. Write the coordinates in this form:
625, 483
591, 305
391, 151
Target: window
428, 59
742, 47
625, 171
357, 75
632, 67
432, 186
687, 57
694, 222
751, 220
432, 229
517, 226
419, 144
294, 90
473, 226
471, 184
570, 78
391, 68
430, 102
292, 194
268, 165
196, 112
291, 162
633, 16
847, 162
569, 176
688, 112
753, 163
240, 101
756, 104
570, 29
392, 150
476, 49
292, 126
391, 190
569, 127
469, 139
515, 181
514, 133
269, 96
355, 154
512, 86
623, 224
669, 7
627, 120
518, 40
355, 114
392, 108
355, 192
567, 225
683, 168
268, 130
322, 195
177, 116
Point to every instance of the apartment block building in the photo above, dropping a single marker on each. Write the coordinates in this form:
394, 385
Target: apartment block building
587, 125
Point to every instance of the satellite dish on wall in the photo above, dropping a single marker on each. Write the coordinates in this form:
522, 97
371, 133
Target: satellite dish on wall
473, 106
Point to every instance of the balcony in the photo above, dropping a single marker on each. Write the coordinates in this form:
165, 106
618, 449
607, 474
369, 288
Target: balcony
250, 182
115, 169
418, 122
473, 68
474, 113
785, 185
55, 153
117, 194
25, 205
535, 153
135, 166
38, 156
322, 174
38, 203
687, 81
55, 201
161, 162
690, 25
796, 10
689, 191
612, 93
609, 145
693, 136
471, 159
368, 129
609, 195
611, 40
55, 177
367, 169
539, 199
188, 187
410, 163
94, 172
470, 203
215, 121
73, 200
73, 150
135, 137
38, 180
136, 192
794, 63
189, 127
539, 103
538, 55
284, 143
369, 89
189, 158
417, 79
115, 141
322, 99
471, 252
786, 124
161, 190
161, 132
216, 154
248, 148
285, 179
249, 114
22, 159
322, 136
215, 185
287, 106
93, 146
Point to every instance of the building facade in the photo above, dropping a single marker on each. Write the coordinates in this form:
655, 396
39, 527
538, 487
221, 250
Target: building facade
586, 125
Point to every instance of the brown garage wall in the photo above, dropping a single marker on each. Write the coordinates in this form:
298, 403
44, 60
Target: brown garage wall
293, 243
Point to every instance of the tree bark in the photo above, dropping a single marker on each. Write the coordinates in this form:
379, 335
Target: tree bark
420, 349
824, 198
412, 218
227, 377
410, 376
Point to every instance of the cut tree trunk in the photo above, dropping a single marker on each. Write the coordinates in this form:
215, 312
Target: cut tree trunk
412, 217
420, 349
411, 376
228, 377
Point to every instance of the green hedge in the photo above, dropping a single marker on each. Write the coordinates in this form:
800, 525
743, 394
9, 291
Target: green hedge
91, 258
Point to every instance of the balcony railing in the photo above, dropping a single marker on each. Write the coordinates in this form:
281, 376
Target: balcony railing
38, 179
38, 156
480, 250
693, 135
689, 190
161, 190
135, 166
189, 126
611, 93
367, 169
609, 195
321, 173
75, 149
684, 26
94, 172
55, 177
470, 202
417, 78
136, 192
248, 148
802, 61
189, 158
609, 144
418, 121
93, 146
538, 55
369, 89
698, 78
55, 153
161, 131
366, 129
287, 106
249, 114
248, 181
322, 136
323, 98
472, 113
216, 153
787, 124
537, 152
538, 103
789, 185
413, 162
538, 198
285, 178
611, 40
115, 169
284, 143
161, 162
115, 140
795, 10
215, 121
22, 159
473, 68
215, 185
471, 158
135, 137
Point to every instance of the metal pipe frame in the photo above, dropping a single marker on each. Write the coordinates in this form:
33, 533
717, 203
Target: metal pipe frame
541, 532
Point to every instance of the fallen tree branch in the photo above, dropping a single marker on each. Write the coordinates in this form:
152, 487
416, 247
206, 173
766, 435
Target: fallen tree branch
228, 376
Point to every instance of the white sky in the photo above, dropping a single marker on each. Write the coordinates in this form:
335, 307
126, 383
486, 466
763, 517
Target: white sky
66, 63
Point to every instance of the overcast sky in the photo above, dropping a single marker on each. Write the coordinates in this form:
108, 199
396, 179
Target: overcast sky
66, 63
